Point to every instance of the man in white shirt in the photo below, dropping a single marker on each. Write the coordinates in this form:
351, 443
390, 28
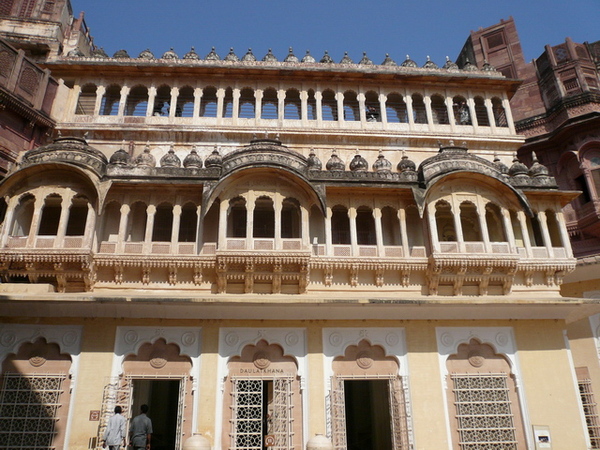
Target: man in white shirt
114, 435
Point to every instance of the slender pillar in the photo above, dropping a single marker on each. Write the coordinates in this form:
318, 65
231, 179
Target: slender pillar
362, 109
150, 213
485, 233
353, 233
75, 94
525, 233
305, 227
90, 227
220, 100
65, 211
125, 209
151, 100
280, 105
175, 228
510, 235
543, 221
508, 114
235, 113
278, 206
378, 232
403, 232
450, 112
123, 101
382, 109
304, 106
409, 110
173, 102
100, 91
433, 231
319, 106
488, 108
339, 97
197, 101
250, 205
35, 222
223, 208
458, 227
328, 237
428, 111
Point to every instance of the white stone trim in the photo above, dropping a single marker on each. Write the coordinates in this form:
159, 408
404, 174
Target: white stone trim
595, 326
68, 339
128, 341
503, 342
231, 343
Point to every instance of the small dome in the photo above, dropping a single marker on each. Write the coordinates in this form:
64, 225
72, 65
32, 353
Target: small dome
308, 58
388, 61
145, 159
469, 67
405, 164
518, 169
212, 56
365, 60
314, 163
119, 54
382, 165
502, 168
346, 59
214, 159
326, 59
537, 169
291, 58
429, 64
170, 159
99, 52
409, 62
359, 164
449, 65
249, 56
269, 57
120, 158
487, 67
335, 164
170, 54
192, 160
231, 56
191, 55
146, 54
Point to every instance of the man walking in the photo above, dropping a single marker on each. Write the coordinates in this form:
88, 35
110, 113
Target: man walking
140, 431
114, 435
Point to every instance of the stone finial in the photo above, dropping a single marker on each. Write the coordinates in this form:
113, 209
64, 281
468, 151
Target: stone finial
537, 169
269, 57
170, 159
192, 160
249, 56
335, 164
326, 58
382, 165
191, 55
313, 162
212, 56
358, 163
388, 61
405, 164
502, 168
145, 159
518, 169
170, 54
365, 60
308, 58
214, 159
291, 58
409, 62
231, 56
449, 65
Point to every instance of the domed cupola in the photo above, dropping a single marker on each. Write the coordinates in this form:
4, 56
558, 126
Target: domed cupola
291, 58
335, 164
537, 169
502, 168
231, 56
365, 61
249, 56
518, 169
326, 59
212, 56
487, 67
469, 67
146, 54
121, 54
214, 159
382, 165
170, 159
405, 164
145, 159
99, 52
120, 158
449, 65
308, 58
170, 54
346, 59
409, 62
192, 160
358, 163
191, 55
429, 64
68, 149
313, 163
269, 57
388, 61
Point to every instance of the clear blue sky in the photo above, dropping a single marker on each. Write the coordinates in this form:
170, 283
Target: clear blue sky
398, 27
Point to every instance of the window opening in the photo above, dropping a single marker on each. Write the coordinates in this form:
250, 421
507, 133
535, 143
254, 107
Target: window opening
553, 228
390, 226
185, 102
264, 218
77, 217
112, 218
536, 231
50, 216
372, 107
499, 113
188, 223
23, 216
495, 224
136, 226
110, 101
439, 110
269, 104
208, 103
469, 221
137, 101
290, 219
317, 225
311, 103
87, 100
329, 106
414, 227
365, 226
247, 104
462, 115
419, 111
445, 222
340, 226
211, 223
162, 101
590, 408
238, 217
228, 103
396, 109
351, 113
292, 105
481, 112
516, 227
163, 223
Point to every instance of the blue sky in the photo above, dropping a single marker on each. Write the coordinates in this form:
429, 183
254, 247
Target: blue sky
398, 27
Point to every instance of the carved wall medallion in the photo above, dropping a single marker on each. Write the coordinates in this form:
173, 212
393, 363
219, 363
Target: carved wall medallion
37, 361
475, 359
261, 360
364, 360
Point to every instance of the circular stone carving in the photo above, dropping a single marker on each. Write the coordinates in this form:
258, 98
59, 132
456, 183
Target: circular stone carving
158, 362
131, 337
261, 360
37, 361
476, 359
8, 339
69, 338
392, 339
335, 339
364, 360
501, 339
291, 339
188, 338
447, 340
231, 339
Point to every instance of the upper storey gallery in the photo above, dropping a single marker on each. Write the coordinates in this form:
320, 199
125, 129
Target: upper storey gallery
288, 94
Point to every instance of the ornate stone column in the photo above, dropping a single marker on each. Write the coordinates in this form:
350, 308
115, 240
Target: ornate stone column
123, 220
508, 114
123, 101
490, 113
198, 92
403, 232
409, 110
382, 109
460, 239
472, 112
485, 233
151, 100
75, 94
378, 232
250, 206
305, 227
8, 220
220, 100
353, 234
510, 235
150, 213
173, 102
339, 97
277, 207
362, 108
319, 107
100, 91
450, 112
543, 221
90, 228
258, 95
175, 229
35, 222
304, 106
280, 105
525, 232
235, 113
65, 212
427, 101
564, 234
223, 209
328, 238
433, 231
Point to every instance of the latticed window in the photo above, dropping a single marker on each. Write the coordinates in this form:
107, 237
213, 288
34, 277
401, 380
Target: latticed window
483, 411
262, 414
369, 413
28, 411
590, 410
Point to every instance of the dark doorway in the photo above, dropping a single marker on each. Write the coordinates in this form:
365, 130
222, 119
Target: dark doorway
368, 420
162, 398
